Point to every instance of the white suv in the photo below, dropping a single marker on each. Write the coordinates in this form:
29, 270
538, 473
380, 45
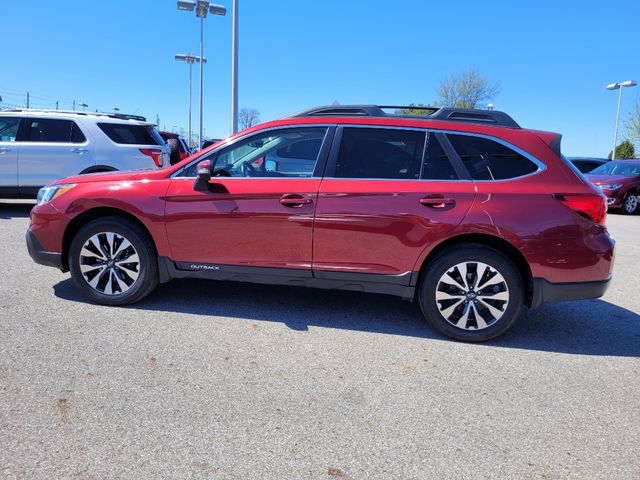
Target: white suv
38, 147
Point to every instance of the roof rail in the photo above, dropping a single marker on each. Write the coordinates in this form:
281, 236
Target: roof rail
121, 116
485, 117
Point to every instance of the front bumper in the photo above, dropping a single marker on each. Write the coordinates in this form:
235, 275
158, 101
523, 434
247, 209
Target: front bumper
41, 256
545, 291
614, 199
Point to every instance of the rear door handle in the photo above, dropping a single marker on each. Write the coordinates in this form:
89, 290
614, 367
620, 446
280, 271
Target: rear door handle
79, 150
294, 200
437, 201
4, 149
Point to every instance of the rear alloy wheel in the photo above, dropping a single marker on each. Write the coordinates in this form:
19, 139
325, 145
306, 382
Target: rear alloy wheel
113, 262
471, 293
630, 204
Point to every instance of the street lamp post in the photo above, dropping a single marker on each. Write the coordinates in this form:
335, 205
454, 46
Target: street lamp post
202, 8
190, 59
234, 69
618, 86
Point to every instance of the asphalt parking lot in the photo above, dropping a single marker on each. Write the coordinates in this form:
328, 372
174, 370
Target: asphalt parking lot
233, 381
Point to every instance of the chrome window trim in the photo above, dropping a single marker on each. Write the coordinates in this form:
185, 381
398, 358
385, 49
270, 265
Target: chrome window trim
239, 139
387, 127
395, 179
257, 178
541, 166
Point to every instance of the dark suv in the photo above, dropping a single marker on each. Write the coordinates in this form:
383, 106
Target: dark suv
462, 210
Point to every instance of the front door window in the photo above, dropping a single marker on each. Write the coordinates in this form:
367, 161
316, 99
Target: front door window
291, 152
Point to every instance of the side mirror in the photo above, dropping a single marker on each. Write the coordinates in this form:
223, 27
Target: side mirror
203, 174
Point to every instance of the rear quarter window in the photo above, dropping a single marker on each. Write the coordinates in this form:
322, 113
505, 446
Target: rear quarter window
487, 159
124, 134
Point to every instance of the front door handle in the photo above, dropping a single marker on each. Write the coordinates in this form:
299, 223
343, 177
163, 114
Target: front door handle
294, 200
79, 150
4, 149
437, 201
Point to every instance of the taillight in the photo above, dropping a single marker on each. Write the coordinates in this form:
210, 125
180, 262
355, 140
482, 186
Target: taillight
588, 205
153, 153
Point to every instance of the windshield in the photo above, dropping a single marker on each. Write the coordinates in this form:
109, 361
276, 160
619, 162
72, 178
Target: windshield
617, 168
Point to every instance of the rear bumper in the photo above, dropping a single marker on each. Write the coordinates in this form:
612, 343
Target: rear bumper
544, 291
41, 256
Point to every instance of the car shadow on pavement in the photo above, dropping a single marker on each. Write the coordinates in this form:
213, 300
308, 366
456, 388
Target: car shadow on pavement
593, 327
15, 210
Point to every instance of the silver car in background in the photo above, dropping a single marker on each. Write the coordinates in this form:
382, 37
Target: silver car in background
38, 147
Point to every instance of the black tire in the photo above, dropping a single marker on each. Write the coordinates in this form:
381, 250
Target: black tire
174, 146
106, 291
486, 325
629, 207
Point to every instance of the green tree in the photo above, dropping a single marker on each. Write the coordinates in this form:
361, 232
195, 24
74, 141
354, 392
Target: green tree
466, 90
414, 110
633, 125
625, 149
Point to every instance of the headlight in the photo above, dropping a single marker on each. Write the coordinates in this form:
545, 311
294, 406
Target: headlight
48, 193
610, 186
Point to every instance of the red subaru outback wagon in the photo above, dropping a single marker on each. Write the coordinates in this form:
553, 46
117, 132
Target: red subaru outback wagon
462, 210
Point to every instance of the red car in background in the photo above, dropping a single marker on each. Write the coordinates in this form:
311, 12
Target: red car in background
463, 211
179, 148
620, 182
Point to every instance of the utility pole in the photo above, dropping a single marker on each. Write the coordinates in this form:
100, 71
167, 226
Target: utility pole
56, 104
27, 99
74, 105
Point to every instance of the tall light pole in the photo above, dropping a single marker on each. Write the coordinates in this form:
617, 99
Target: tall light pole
234, 69
202, 8
190, 59
618, 86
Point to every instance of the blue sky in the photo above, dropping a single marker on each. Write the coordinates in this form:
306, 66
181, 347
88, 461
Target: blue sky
552, 59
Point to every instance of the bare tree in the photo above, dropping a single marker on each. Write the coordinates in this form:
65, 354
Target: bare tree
466, 90
248, 117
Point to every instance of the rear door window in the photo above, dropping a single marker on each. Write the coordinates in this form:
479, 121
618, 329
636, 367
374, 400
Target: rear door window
380, 153
51, 130
489, 160
124, 134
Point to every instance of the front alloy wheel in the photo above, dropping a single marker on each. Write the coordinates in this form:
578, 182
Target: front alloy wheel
109, 263
113, 261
